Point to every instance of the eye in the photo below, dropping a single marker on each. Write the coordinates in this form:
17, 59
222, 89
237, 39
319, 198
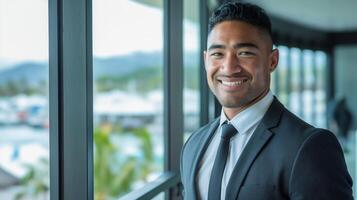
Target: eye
216, 54
246, 53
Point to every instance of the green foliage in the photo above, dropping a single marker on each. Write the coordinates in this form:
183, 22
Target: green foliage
13, 88
145, 80
114, 177
142, 80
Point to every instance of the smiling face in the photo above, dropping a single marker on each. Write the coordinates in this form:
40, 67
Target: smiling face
238, 62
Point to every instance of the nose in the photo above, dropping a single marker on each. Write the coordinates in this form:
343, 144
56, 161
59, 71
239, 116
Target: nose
231, 64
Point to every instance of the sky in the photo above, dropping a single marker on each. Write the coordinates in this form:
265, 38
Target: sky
23, 30
119, 27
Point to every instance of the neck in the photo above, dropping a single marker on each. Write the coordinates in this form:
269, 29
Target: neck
231, 112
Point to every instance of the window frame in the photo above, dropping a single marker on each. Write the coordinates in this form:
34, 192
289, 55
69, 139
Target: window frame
71, 95
71, 100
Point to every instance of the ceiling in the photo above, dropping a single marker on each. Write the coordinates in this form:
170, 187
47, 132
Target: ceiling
325, 15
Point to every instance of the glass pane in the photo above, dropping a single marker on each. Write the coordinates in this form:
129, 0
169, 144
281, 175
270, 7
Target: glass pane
24, 124
308, 86
192, 57
321, 104
128, 95
295, 81
281, 72
160, 196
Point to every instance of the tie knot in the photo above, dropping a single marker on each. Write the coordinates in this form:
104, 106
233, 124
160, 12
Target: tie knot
228, 131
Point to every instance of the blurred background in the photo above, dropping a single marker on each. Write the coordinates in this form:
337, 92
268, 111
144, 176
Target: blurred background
315, 79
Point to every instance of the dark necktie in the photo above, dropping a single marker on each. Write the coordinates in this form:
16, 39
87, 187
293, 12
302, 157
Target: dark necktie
215, 183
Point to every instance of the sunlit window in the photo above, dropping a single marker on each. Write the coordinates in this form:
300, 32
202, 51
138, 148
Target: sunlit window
128, 95
24, 124
295, 67
321, 65
308, 87
281, 73
192, 57
302, 88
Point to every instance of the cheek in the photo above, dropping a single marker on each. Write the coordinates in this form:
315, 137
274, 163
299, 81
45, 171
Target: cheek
211, 69
258, 70
262, 77
210, 75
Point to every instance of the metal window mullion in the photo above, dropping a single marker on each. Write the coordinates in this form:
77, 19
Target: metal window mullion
152, 189
329, 82
314, 87
204, 90
330, 74
173, 88
288, 79
301, 84
54, 96
71, 99
277, 81
89, 99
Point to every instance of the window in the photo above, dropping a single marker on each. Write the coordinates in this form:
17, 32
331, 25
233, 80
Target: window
136, 138
192, 55
308, 86
320, 59
302, 75
24, 113
128, 95
281, 74
295, 64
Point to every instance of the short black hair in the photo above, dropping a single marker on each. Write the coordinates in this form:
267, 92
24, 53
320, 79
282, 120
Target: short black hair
246, 12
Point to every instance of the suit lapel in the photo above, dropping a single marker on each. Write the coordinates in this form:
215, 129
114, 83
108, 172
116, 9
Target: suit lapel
255, 145
204, 140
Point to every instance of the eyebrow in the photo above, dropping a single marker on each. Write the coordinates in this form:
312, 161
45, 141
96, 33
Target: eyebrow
216, 46
236, 46
248, 44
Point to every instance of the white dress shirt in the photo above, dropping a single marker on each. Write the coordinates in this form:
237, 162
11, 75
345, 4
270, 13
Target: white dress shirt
245, 122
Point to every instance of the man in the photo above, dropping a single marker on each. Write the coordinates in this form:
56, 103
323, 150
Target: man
256, 149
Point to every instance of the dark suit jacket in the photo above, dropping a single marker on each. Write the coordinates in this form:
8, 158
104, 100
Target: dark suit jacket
285, 158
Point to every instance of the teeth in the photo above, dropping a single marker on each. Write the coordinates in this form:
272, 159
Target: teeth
235, 83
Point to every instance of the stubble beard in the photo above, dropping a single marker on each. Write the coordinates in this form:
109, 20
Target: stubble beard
240, 102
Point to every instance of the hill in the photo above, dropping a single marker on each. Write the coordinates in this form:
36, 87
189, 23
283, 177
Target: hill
119, 66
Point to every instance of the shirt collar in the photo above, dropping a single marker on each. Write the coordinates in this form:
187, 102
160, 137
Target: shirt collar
245, 120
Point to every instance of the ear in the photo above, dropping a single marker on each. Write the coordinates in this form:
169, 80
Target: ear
273, 60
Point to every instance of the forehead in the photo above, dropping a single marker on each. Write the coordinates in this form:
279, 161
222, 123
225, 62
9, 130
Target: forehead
237, 31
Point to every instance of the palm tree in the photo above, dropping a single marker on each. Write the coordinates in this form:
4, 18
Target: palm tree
113, 177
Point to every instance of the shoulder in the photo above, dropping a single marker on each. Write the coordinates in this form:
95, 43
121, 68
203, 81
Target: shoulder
199, 135
193, 145
294, 130
294, 121
283, 122
298, 134
319, 164
321, 143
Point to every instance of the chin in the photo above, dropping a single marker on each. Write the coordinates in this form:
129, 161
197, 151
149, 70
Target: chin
232, 103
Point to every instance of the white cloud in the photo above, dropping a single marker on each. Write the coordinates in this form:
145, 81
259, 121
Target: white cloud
122, 26
23, 30
119, 27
